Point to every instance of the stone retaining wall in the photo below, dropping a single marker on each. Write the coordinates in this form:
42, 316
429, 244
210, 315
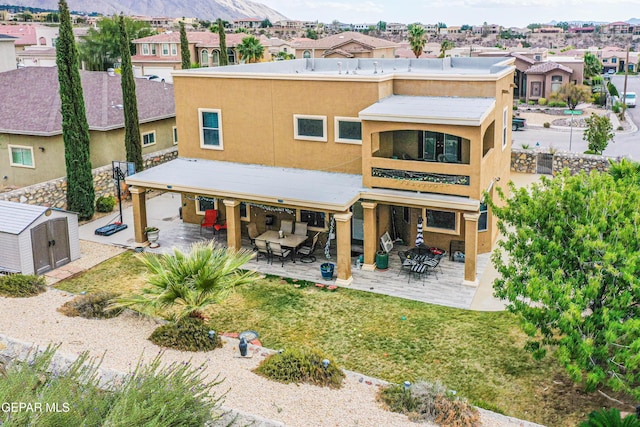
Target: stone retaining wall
53, 193
526, 161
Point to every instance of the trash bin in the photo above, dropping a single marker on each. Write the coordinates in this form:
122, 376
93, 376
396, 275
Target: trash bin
326, 269
382, 260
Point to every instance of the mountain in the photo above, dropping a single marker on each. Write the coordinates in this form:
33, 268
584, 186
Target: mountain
633, 21
202, 9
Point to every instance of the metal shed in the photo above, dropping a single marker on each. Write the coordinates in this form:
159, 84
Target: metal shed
36, 239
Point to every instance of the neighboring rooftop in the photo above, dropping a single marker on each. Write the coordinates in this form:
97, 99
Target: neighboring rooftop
36, 111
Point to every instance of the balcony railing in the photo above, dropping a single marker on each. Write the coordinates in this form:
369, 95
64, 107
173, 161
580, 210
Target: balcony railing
420, 176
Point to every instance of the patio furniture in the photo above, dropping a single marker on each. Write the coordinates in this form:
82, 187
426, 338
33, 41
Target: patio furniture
291, 241
252, 231
432, 264
286, 226
276, 249
419, 269
301, 229
263, 249
307, 251
405, 263
210, 220
420, 250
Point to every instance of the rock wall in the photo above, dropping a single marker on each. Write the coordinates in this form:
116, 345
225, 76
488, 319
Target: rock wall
526, 161
53, 193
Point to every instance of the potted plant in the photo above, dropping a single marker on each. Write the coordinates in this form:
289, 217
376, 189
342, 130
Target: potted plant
326, 269
153, 234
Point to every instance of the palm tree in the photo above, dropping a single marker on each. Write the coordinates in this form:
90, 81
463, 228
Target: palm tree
250, 49
610, 418
190, 281
417, 39
445, 46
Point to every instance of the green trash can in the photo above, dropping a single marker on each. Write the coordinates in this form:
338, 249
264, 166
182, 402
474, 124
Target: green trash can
382, 260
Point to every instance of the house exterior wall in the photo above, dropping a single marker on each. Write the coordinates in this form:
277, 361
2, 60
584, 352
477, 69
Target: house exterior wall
7, 55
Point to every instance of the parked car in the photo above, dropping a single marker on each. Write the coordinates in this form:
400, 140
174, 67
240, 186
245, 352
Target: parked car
611, 71
518, 123
630, 99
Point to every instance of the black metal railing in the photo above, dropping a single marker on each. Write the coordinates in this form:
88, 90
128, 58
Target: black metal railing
420, 176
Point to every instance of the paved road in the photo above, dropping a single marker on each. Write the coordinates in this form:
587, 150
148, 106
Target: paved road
625, 144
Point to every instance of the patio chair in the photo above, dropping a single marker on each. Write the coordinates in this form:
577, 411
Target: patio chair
301, 229
252, 231
263, 250
405, 263
277, 250
432, 264
210, 220
286, 226
307, 251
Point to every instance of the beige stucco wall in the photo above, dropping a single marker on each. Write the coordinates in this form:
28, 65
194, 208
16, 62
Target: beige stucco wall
7, 55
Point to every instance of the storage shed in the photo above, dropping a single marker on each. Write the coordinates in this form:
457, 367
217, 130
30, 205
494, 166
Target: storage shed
36, 239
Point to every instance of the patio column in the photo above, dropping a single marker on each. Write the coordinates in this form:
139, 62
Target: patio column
470, 248
370, 235
139, 199
343, 239
234, 239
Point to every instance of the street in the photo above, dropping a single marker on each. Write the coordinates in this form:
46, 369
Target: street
624, 144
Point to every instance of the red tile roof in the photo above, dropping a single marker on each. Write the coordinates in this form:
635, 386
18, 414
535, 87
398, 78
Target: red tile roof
340, 39
199, 38
37, 111
545, 67
26, 34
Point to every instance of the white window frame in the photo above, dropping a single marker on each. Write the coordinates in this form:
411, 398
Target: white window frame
327, 219
483, 211
145, 49
153, 49
20, 165
174, 134
336, 130
153, 132
247, 217
162, 51
201, 212
505, 119
210, 110
174, 49
297, 136
441, 230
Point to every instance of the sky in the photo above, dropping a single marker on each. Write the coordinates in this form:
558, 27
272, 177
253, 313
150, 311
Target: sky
508, 13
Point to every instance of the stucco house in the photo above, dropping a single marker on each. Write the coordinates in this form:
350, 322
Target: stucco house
370, 151
349, 44
31, 145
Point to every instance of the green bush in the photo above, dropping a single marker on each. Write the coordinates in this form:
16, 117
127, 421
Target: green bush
301, 365
424, 401
20, 285
105, 203
187, 334
542, 101
531, 103
546, 125
525, 146
515, 107
610, 418
590, 152
619, 128
91, 306
557, 104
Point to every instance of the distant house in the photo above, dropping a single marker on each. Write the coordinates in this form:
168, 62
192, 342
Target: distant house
7, 53
247, 23
615, 28
32, 149
615, 59
349, 44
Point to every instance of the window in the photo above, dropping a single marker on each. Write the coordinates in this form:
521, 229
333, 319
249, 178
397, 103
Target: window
556, 82
605, 60
153, 49
231, 55
204, 203
174, 49
175, 135
165, 49
348, 130
483, 224
148, 138
21, 156
215, 58
505, 117
614, 60
314, 220
306, 54
204, 58
245, 212
310, 128
210, 129
145, 48
441, 147
442, 221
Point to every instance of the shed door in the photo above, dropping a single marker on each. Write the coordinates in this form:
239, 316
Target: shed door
40, 248
59, 238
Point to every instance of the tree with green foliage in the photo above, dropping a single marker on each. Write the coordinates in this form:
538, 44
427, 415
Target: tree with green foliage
281, 56
592, 66
100, 48
417, 39
250, 49
224, 58
382, 26
311, 34
610, 418
598, 133
185, 54
266, 23
574, 94
75, 129
569, 264
132, 141
612, 89
445, 46
190, 282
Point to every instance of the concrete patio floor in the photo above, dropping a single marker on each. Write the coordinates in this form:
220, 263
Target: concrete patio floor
447, 289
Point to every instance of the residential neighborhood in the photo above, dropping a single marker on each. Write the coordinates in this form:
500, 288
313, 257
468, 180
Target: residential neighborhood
365, 223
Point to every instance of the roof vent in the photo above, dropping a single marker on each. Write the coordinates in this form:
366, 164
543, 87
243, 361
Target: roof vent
111, 72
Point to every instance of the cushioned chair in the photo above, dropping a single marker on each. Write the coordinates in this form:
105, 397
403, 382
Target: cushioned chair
301, 229
286, 226
252, 231
263, 250
306, 252
277, 250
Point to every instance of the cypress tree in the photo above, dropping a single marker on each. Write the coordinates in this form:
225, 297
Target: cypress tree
75, 129
129, 102
224, 58
184, 48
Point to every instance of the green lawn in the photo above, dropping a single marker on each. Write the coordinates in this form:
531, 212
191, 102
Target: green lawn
477, 354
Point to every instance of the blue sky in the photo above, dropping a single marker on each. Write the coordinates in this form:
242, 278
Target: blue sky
457, 12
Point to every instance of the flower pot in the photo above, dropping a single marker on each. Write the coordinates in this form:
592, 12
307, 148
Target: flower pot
152, 237
382, 260
326, 269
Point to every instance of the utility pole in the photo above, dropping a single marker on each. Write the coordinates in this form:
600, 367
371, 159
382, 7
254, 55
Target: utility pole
624, 94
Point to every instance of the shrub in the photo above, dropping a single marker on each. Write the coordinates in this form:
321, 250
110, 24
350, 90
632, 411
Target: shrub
589, 152
20, 285
424, 401
542, 101
619, 128
515, 107
105, 203
91, 306
531, 103
187, 334
557, 104
525, 146
547, 125
301, 365
610, 417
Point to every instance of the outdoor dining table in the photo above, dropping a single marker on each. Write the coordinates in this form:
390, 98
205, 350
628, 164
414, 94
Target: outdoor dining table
293, 241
